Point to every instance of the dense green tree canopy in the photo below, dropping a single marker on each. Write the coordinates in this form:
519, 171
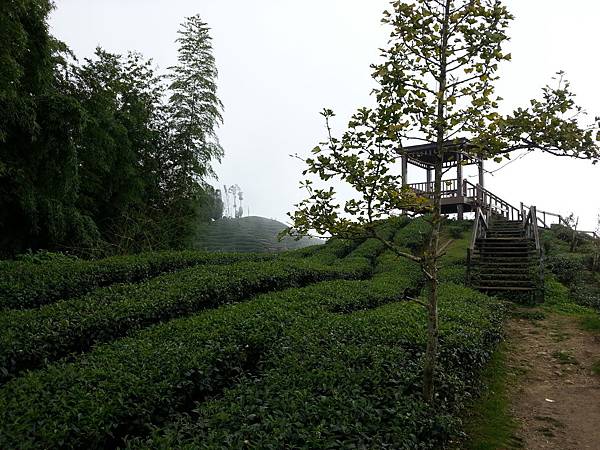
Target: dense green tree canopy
105, 155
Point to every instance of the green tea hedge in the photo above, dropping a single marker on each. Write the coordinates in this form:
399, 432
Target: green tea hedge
366, 248
125, 387
414, 235
333, 365
31, 338
28, 285
350, 381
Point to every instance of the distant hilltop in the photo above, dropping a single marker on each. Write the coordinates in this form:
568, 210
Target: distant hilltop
247, 234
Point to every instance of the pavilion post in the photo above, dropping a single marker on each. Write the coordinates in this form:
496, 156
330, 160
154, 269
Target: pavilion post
429, 180
404, 170
459, 187
481, 172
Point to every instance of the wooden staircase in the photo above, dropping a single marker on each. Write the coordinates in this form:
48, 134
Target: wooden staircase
505, 256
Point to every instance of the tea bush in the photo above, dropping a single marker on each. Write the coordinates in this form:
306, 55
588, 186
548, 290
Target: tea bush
28, 339
29, 284
124, 387
337, 364
566, 267
351, 381
414, 235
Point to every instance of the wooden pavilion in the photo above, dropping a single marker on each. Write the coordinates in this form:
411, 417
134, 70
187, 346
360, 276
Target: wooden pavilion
505, 254
458, 195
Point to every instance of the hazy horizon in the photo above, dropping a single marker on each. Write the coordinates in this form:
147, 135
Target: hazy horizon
281, 62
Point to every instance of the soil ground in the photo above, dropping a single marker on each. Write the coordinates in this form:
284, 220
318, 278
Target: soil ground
556, 398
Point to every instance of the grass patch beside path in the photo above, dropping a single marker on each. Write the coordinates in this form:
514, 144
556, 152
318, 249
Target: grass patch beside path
490, 426
591, 323
596, 367
559, 301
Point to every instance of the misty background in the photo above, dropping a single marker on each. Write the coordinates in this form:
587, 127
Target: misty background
281, 61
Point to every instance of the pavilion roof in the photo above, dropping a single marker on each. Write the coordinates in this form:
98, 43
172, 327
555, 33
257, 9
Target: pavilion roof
424, 155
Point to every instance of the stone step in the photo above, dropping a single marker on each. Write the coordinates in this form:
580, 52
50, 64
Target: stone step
502, 219
504, 233
506, 226
502, 248
505, 282
505, 247
504, 257
504, 241
505, 260
504, 288
494, 263
496, 273
488, 281
517, 253
504, 269
524, 273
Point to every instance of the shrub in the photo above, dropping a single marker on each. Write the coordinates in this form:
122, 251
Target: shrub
333, 249
456, 274
587, 294
334, 364
414, 236
562, 232
455, 231
43, 256
567, 268
370, 249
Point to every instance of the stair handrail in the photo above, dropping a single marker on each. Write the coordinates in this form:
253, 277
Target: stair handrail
489, 202
532, 232
542, 217
531, 227
561, 221
480, 228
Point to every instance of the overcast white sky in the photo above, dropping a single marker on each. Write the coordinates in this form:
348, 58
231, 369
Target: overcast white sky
282, 61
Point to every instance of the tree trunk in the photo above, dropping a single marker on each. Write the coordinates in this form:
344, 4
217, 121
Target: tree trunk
431, 258
432, 303
432, 327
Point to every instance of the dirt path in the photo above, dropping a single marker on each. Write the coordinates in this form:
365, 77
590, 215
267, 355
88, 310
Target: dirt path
557, 399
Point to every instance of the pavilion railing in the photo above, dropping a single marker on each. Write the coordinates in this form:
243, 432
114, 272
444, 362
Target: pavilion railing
474, 193
449, 188
489, 202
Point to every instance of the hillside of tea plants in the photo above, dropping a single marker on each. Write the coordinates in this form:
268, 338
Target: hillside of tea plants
320, 347
247, 234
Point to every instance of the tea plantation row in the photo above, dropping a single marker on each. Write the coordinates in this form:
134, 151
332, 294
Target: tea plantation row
349, 381
325, 359
123, 388
30, 338
30, 284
